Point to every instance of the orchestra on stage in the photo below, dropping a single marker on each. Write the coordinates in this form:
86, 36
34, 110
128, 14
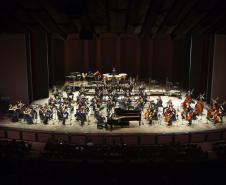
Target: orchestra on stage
115, 99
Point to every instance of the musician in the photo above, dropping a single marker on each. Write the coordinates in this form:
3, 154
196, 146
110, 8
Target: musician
169, 113
151, 113
97, 75
213, 109
144, 96
81, 115
188, 98
99, 117
169, 103
62, 114
199, 105
70, 94
220, 114
140, 104
28, 116
56, 93
113, 71
109, 105
44, 116
159, 102
82, 90
141, 87
15, 112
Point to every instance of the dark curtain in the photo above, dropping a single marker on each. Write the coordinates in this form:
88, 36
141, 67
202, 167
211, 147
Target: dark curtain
39, 64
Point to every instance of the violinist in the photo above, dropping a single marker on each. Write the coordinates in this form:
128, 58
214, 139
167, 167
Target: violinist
15, 111
28, 115
81, 114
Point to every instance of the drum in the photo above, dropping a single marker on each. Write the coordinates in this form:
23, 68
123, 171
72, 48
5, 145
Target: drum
105, 76
118, 77
123, 76
109, 77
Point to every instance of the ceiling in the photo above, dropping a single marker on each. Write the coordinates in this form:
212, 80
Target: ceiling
139, 17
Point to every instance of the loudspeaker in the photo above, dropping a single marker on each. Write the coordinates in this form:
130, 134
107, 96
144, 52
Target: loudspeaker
86, 35
4, 104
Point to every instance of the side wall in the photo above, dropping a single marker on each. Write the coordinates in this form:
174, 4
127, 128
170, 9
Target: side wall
219, 68
13, 69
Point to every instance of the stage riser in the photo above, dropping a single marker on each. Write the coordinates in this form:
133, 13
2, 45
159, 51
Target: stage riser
112, 139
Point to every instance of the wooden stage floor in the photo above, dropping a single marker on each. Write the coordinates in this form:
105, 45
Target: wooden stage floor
158, 127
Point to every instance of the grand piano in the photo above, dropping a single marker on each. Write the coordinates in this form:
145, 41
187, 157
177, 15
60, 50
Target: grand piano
121, 117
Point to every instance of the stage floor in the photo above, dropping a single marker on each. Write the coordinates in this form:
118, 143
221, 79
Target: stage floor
158, 127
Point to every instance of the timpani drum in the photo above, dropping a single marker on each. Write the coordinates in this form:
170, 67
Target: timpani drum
105, 76
123, 76
118, 77
109, 77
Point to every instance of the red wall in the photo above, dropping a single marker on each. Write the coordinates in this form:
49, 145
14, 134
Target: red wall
219, 67
13, 69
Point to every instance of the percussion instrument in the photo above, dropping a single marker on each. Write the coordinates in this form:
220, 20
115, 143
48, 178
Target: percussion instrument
123, 76
118, 77
109, 77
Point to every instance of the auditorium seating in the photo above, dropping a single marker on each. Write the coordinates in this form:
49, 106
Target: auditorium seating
220, 150
12, 149
177, 152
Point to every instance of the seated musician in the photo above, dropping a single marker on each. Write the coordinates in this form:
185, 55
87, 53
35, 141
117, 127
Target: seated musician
99, 117
151, 113
97, 75
109, 105
169, 113
159, 102
199, 105
141, 87
70, 94
14, 113
140, 104
188, 98
80, 114
82, 90
28, 116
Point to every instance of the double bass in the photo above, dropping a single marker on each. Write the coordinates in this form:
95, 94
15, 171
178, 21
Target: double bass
188, 99
212, 110
199, 105
215, 113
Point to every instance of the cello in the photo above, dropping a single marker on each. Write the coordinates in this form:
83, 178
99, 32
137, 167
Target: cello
169, 114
